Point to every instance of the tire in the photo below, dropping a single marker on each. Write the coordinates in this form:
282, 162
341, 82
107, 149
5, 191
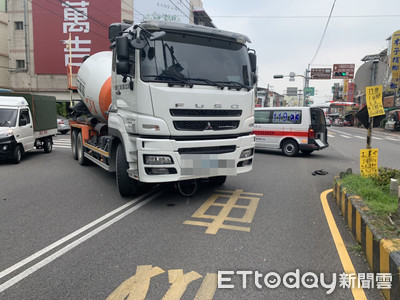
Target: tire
290, 148
218, 180
64, 131
17, 155
73, 144
126, 185
307, 152
188, 188
47, 145
80, 151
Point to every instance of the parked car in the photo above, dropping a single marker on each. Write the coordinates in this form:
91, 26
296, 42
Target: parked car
328, 122
63, 125
347, 123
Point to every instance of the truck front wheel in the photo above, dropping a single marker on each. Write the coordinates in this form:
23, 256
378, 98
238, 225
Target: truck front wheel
17, 155
126, 185
47, 145
80, 151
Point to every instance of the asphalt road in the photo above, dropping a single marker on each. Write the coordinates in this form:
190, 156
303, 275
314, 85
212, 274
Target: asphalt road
67, 234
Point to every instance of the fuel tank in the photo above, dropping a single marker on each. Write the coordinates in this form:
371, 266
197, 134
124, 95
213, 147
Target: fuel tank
94, 84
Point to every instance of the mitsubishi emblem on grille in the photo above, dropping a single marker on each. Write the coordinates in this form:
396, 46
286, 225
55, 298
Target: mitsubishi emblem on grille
208, 127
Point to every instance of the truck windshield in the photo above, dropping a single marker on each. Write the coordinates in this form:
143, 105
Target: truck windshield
187, 59
8, 117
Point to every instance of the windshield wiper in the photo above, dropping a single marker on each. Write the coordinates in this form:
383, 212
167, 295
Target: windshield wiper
214, 83
5, 122
235, 85
171, 82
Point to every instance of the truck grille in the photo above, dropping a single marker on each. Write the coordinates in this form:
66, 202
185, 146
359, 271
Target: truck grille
206, 125
205, 113
208, 150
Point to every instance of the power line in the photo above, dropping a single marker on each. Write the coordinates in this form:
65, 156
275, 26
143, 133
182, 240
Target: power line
323, 35
181, 10
306, 17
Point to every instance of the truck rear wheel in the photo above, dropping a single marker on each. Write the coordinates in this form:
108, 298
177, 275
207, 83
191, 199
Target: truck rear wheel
48, 145
80, 151
17, 155
127, 186
73, 144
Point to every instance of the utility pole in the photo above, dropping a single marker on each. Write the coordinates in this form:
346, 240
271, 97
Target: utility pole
371, 119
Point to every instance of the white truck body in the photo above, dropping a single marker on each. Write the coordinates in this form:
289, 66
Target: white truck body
171, 128
17, 132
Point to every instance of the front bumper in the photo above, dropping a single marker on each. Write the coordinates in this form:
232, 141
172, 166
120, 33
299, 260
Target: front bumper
192, 159
7, 147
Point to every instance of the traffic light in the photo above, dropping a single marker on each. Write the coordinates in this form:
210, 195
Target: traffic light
340, 74
278, 76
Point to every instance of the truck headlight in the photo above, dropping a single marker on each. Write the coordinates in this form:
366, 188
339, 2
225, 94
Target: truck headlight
6, 133
158, 160
246, 153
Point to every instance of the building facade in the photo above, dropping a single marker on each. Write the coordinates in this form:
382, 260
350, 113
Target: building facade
4, 57
36, 62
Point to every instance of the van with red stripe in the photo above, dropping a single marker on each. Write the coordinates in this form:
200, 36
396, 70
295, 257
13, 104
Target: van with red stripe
290, 129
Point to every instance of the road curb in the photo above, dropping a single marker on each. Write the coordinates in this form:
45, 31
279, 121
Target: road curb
383, 255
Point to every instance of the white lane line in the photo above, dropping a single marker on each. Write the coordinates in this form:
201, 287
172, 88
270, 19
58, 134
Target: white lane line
67, 248
330, 135
376, 138
345, 136
68, 237
392, 139
361, 137
64, 147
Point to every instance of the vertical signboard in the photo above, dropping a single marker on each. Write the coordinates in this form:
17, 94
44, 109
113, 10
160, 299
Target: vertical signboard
374, 100
395, 61
163, 10
86, 21
368, 162
350, 92
345, 88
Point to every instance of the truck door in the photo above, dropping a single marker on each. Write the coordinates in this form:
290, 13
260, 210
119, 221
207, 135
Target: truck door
25, 128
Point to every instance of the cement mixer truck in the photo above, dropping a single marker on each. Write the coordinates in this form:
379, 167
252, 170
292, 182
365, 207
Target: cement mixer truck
170, 103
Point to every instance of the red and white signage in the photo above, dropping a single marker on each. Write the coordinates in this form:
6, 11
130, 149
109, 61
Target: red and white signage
86, 21
343, 68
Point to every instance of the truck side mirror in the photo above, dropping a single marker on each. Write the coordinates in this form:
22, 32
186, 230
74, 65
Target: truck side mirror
122, 67
122, 45
22, 122
253, 62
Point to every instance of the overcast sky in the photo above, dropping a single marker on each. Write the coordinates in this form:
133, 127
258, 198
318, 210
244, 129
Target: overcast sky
286, 34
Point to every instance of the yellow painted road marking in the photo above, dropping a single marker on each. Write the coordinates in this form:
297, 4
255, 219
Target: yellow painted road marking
179, 283
226, 208
207, 288
358, 293
137, 286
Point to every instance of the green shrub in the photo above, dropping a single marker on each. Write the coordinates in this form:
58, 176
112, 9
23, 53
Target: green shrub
373, 191
384, 175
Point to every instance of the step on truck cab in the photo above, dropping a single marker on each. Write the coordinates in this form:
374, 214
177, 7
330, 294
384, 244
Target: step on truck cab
170, 103
290, 129
26, 123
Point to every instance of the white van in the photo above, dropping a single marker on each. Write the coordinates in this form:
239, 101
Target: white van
291, 129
